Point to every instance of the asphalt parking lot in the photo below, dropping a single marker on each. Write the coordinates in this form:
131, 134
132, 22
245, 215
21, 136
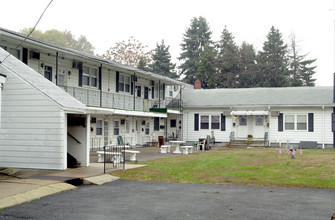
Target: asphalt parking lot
124, 199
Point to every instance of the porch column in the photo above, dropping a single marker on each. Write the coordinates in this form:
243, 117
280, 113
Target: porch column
88, 140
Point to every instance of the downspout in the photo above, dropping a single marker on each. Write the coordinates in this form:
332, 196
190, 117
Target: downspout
134, 90
159, 94
100, 84
56, 68
323, 127
2, 81
181, 113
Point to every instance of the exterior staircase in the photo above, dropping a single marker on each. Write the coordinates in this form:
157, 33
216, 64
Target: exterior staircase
247, 143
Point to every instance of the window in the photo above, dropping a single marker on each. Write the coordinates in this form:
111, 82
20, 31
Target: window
99, 127
48, 72
147, 128
215, 122
127, 83
289, 122
204, 122
139, 88
121, 83
301, 122
61, 77
94, 77
3, 47
170, 91
259, 120
173, 123
116, 127
243, 120
15, 52
156, 124
86, 76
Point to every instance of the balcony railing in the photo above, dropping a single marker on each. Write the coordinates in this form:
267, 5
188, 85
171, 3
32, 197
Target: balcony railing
119, 101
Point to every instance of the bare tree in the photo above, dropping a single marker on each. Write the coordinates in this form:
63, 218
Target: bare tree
129, 53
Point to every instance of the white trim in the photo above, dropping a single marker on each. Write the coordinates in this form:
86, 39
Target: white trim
249, 112
96, 110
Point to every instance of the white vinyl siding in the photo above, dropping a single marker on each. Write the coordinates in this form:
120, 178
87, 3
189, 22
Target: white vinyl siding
33, 129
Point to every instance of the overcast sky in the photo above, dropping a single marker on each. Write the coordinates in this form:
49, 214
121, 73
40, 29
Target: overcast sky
105, 22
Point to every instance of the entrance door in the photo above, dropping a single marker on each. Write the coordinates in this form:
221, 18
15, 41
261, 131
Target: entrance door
106, 141
242, 129
260, 126
146, 93
138, 132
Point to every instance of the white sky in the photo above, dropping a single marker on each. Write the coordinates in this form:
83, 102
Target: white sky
105, 22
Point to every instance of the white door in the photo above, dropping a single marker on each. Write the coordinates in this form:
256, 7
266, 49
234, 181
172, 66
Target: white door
242, 128
138, 131
106, 138
260, 126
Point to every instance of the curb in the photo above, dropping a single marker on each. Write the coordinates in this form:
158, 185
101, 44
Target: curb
35, 194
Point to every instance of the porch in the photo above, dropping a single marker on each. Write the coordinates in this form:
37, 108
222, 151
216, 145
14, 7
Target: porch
98, 98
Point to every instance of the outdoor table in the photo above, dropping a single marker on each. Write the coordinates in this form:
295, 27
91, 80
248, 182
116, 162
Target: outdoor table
177, 144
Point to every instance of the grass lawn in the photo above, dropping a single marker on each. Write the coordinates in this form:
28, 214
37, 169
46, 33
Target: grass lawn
258, 167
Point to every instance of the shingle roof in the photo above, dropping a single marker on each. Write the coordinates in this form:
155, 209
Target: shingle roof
92, 57
55, 93
285, 96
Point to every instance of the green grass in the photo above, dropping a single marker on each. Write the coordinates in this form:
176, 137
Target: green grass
258, 167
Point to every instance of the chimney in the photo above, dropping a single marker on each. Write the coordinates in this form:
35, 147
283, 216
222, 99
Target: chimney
197, 84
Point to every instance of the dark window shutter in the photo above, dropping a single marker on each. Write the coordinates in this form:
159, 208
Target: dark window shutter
117, 81
156, 124
153, 92
281, 122
25, 55
163, 91
223, 122
80, 72
196, 122
100, 74
310, 122
132, 88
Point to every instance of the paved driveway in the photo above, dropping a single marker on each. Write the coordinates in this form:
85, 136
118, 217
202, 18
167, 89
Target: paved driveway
123, 199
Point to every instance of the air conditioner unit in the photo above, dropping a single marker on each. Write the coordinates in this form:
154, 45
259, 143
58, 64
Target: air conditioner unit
34, 55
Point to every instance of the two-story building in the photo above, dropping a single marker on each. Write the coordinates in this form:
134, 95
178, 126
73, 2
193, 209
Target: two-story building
58, 100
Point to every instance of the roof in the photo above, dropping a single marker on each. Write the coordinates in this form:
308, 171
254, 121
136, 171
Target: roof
14, 66
90, 56
284, 96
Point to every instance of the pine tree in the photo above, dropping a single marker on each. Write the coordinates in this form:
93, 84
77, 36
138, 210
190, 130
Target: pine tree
194, 41
162, 61
248, 66
206, 68
228, 60
274, 61
301, 71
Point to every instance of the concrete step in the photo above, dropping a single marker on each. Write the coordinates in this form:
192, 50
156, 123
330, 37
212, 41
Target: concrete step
247, 143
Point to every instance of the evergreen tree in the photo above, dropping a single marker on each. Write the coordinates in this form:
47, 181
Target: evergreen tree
301, 70
142, 65
161, 61
248, 66
206, 68
274, 61
194, 41
228, 60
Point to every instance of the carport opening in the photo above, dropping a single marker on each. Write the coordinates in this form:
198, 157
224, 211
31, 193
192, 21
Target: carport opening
76, 141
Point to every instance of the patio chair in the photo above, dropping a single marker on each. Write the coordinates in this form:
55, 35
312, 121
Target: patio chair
201, 144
